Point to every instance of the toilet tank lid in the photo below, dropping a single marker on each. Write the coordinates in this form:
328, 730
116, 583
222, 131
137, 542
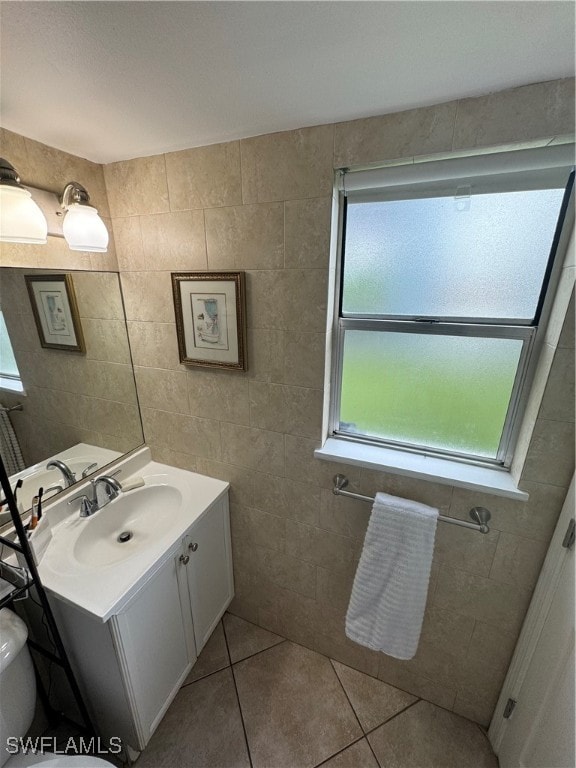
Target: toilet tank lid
13, 635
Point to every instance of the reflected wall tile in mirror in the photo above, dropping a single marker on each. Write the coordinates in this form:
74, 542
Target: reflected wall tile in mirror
106, 340
13, 292
97, 295
72, 397
111, 381
19, 330
112, 418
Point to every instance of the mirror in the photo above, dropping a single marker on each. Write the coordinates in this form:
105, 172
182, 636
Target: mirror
78, 406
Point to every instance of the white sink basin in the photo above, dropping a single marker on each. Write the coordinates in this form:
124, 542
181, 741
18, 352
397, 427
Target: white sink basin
84, 563
127, 525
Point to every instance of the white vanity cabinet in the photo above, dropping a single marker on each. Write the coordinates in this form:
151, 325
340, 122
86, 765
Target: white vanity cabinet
154, 643
131, 667
209, 571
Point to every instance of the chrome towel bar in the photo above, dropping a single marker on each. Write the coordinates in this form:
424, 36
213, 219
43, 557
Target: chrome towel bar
480, 514
17, 407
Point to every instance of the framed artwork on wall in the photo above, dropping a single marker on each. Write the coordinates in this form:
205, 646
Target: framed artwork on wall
211, 318
55, 312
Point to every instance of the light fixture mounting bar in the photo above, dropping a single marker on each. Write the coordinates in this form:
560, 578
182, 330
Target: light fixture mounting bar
49, 204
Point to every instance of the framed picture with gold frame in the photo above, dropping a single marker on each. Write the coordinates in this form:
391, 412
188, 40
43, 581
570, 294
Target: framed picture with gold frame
55, 311
210, 310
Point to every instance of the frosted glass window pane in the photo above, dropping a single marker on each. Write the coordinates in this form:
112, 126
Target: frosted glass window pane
7, 360
426, 257
443, 392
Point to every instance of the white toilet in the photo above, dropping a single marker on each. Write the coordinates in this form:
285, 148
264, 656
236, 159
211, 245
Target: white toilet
18, 699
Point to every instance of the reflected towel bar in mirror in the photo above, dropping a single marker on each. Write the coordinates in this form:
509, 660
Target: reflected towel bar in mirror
480, 514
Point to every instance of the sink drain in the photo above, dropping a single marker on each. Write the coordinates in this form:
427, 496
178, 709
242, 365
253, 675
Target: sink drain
124, 537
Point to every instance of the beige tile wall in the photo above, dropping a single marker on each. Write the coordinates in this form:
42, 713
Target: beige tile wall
263, 205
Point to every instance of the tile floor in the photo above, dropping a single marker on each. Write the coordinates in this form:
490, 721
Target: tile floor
256, 700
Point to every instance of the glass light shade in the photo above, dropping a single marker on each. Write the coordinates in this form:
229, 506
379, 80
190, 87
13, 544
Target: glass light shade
21, 220
84, 230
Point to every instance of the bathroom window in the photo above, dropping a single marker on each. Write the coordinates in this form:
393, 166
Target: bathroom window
446, 272
9, 373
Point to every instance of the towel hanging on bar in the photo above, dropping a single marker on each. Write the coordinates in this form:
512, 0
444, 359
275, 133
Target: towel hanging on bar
391, 584
9, 445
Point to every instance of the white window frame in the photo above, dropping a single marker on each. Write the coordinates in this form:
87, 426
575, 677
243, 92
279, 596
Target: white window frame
530, 332
8, 381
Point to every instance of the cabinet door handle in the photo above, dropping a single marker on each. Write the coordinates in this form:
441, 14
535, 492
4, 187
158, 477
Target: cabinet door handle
193, 546
184, 559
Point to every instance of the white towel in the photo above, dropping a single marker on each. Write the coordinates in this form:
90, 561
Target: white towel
389, 593
9, 445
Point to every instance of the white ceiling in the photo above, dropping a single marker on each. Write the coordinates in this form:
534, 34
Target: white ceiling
115, 80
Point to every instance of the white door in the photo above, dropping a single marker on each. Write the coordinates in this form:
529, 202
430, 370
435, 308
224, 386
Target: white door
154, 638
210, 578
539, 733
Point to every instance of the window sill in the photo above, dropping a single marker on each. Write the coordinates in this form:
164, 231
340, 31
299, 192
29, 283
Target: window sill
11, 385
432, 468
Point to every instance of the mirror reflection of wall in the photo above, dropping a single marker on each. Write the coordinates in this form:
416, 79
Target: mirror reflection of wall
69, 397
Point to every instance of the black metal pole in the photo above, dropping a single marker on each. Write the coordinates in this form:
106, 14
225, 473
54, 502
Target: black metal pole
31, 565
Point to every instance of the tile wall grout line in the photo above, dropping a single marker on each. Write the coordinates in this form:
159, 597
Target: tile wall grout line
237, 697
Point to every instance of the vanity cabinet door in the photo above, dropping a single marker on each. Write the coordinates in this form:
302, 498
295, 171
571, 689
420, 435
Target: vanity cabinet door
210, 578
156, 645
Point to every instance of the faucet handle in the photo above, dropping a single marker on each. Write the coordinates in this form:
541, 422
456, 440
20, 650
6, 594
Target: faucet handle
88, 469
87, 506
75, 498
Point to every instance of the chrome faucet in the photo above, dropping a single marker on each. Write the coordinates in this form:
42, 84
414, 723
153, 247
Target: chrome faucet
104, 490
69, 476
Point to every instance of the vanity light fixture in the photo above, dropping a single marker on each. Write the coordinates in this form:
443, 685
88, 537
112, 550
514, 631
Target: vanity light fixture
21, 219
83, 229
29, 214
